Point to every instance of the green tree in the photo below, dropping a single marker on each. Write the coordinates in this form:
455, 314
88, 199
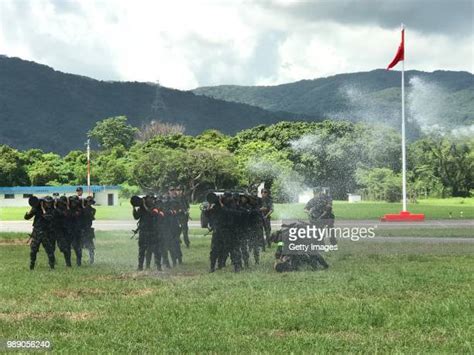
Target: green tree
12, 167
448, 159
49, 170
208, 168
112, 132
381, 184
156, 168
111, 167
76, 163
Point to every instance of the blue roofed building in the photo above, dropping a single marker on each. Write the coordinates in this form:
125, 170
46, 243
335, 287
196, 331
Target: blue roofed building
18, 195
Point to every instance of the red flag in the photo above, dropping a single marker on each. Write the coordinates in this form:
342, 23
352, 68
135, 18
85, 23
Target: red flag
400, 53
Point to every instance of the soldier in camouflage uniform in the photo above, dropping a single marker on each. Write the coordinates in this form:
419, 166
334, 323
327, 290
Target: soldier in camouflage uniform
73, 227
243, 228
171, 229
88, 235
222, 215
59, 228
267, 210
255, 227
147, 236
42, 233
183, 214
292, 262
320, 211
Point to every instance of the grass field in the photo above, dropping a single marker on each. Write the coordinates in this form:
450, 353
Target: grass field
460, 208
376, 297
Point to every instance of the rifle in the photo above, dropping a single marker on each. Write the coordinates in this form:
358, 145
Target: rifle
135, 231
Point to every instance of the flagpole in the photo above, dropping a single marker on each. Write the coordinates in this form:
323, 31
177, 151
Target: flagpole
404, 162
88, 167
404, 215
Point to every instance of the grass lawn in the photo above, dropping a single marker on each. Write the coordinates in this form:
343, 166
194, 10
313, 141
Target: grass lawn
433, 209
426, 232
376, 297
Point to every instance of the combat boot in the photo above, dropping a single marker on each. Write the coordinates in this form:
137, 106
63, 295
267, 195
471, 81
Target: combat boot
32, 265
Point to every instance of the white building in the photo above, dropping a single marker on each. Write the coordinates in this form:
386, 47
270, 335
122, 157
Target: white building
18, 195
354, 198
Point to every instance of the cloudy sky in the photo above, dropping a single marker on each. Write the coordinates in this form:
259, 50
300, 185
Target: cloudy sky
186, 44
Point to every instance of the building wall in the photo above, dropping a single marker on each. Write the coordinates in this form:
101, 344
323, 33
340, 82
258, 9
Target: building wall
102, 198
18, 201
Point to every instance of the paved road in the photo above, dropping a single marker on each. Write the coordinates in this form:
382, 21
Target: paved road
108, 225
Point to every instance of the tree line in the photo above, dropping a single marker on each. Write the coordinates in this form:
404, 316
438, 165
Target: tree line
288, 156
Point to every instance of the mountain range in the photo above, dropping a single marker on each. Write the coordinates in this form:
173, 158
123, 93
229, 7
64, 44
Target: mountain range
47, 109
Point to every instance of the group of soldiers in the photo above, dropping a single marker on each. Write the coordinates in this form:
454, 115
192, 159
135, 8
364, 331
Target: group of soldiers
65, 222
161, 221
240, 225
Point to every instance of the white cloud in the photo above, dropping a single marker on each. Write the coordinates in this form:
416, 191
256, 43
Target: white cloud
185, 44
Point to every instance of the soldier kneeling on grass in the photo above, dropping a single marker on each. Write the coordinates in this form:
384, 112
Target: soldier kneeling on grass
43, 213
292, 262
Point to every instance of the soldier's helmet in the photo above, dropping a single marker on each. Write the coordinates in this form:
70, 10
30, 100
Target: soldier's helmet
33, 201
211, 198
149, 199
48, 200
74, 200
317, 190
135, 201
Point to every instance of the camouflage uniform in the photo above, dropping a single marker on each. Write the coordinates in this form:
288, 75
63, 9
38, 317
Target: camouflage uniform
73, 227
42, 234
243, 232
224, 242
147, 235
171, 232
320, 213
88, 235
267, 207
183, 218
286, 262
60, 232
